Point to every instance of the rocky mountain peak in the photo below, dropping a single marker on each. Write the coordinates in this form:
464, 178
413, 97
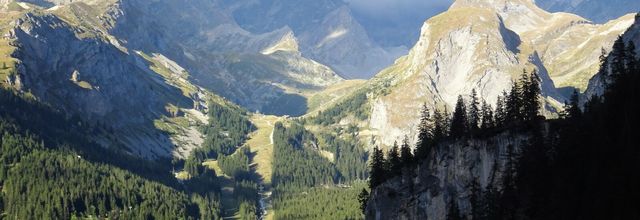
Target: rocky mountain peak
485, 45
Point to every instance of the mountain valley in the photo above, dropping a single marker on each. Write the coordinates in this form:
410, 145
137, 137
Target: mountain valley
274, 109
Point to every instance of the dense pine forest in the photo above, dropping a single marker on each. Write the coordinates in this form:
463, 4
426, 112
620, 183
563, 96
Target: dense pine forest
303, 180
50, 170
580, 166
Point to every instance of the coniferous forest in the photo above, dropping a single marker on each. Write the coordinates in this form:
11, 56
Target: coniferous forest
580, 166
49, 170
319, 109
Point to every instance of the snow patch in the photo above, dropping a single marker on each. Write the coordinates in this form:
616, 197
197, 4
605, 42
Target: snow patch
53, 8
333, 35
24, 5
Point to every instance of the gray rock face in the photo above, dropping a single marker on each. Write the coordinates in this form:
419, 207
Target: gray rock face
485, 45
598, 82
202, 37
327, 30
92, 79
424, 193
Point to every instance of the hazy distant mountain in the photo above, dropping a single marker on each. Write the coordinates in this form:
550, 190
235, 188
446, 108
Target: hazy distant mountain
327, 32
599, 11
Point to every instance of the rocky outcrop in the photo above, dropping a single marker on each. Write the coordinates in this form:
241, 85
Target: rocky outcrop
111, 88
426, 191
326, 29
259, 71
597, 83
485, 45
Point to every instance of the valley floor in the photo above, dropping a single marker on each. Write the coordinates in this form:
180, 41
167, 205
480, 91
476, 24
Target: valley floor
260, 144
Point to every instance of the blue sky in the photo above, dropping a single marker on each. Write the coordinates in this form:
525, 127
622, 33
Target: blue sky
396, 22
398, 9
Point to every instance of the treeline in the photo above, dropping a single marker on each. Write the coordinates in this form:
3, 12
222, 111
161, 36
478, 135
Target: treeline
297, 160
350, 158
246, 195
41, 182
355, 105
227, 129
320, 203
585, 166
58, 129
294, 165
49, 168
237, 164
310, 186
472, 118
581, 166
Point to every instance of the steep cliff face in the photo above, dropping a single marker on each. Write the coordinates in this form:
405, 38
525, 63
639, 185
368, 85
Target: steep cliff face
220, 55
598, 81
130, 64
425, 192
327, 30
485, 45
86, 76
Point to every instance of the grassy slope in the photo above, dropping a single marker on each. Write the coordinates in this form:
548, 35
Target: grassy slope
261, 149
331, 94
5, 48
261, 146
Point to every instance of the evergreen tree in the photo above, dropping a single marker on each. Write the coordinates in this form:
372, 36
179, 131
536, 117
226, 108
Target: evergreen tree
474, 112
405, 153
572, 108
440, 130
363, 199
604, 63
447, 121
394, 164
377, 174
514, 104
501, 112
425, 134
459, 122
488, 120
531, 96
4, 65
633, 66
618, 56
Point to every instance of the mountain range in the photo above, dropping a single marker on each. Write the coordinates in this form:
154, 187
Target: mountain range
165, 80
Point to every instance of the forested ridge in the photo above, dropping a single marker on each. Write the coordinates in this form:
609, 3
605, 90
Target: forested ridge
580, 166
59, 174
310, 186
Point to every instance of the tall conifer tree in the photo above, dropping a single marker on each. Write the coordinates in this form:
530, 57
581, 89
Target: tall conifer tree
531, 96
377, 173
514, 104
405, 153
425, 134
459, 122
488, 120
440, 128
394, 164
474, 111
